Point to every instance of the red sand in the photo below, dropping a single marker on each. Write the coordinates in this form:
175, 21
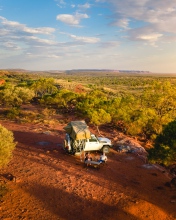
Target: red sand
51, 185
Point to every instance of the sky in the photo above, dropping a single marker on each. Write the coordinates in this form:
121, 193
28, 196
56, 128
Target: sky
92, 34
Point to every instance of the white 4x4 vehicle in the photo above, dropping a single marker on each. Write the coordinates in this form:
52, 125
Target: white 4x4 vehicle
78, 138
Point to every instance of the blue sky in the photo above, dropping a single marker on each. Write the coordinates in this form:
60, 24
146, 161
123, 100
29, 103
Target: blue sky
103, 34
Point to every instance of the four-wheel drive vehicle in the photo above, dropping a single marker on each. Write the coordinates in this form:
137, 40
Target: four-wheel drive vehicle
79, 138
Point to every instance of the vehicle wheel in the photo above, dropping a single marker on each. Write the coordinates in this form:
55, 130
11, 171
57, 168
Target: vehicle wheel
106, 149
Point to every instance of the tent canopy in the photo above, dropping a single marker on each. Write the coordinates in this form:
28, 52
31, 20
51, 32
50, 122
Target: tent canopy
78, 130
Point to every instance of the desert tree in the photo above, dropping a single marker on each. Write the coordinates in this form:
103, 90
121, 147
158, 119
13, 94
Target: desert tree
158, 104
44, 86
63, 99
98, 117
93, 100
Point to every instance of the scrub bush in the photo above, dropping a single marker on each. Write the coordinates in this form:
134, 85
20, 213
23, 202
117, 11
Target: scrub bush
7, 145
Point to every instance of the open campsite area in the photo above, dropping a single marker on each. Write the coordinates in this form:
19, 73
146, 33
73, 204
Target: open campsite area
50, 184
42, 181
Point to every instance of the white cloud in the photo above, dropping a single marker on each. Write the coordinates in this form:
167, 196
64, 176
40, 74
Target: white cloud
145, 34
151, 38
41, 30
53, 56
31, 44
158, 16
11, 46
39, 41
146, 10
85, 6
61, 3
4, 32
124, 22
20, 38
71, 19
91, 40
16, 26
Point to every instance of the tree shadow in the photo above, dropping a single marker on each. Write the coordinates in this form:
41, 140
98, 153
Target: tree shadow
71, 206
104, 180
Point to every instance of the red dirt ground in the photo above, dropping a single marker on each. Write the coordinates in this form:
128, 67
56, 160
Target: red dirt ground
51, 185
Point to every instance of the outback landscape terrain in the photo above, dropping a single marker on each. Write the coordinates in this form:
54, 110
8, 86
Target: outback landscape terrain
87, 110
47, 184
42, 182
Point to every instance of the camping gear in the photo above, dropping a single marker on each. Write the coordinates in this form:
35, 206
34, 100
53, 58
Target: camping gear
78, 130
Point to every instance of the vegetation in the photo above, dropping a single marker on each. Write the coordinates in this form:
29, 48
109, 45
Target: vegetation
164, 150
7, 145
43, 86
15, 96
138, 105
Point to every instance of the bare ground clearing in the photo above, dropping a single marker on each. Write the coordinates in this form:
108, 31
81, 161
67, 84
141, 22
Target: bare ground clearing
51, 185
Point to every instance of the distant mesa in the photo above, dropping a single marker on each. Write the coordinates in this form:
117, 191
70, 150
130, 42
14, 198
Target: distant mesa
107, 70
15, 70
77, 70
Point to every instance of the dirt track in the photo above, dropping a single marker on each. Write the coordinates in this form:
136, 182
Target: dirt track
51, 185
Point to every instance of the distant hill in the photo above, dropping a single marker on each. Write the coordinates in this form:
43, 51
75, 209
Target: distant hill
107, 70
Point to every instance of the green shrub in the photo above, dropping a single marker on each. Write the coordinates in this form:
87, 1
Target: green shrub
164, 150
7, 145
13, 113
15, 96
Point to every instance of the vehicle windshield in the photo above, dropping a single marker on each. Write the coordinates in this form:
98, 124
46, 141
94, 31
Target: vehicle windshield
93, 138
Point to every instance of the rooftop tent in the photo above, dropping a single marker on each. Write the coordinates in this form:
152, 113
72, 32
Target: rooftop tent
78, 130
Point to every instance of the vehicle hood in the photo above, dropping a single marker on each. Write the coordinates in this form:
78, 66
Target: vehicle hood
104, 140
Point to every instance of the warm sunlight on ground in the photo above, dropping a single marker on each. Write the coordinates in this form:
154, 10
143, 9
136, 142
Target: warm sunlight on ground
53, 185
